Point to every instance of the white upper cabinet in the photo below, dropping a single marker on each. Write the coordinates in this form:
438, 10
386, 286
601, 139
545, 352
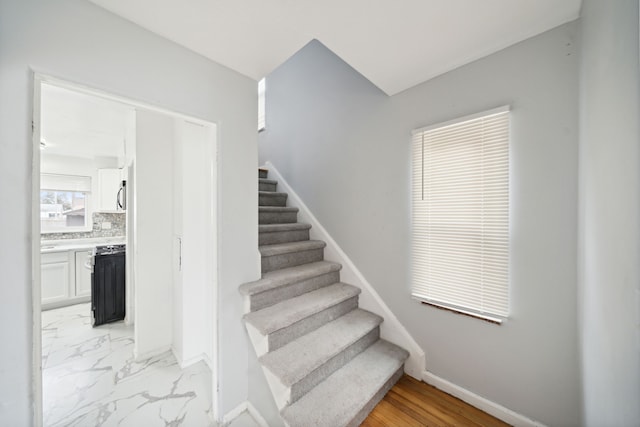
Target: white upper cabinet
109, 181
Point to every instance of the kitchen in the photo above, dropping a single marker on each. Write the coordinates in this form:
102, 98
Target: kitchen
126, 201
83, 196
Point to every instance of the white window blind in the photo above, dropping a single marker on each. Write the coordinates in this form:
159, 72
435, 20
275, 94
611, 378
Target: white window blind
460, 214
65, 182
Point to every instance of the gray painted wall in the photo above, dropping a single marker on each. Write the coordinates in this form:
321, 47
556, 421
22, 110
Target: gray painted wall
80, 42
609, 250
344, 147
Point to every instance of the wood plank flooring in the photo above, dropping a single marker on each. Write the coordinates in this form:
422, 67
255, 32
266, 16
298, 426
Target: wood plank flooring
412, 403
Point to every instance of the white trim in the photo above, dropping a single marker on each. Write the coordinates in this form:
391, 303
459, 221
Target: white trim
491, 112
257, 416
492, 408
78, 87
185, 363
36, 290
247, 407
234, 413
152, 353
391, 329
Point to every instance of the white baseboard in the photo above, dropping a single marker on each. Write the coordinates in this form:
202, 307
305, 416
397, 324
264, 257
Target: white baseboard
155, 352
257, 416
391, 329
185, 363
492, 408
247, 407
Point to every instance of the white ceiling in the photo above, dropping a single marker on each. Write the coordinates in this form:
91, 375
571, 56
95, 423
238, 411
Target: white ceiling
394, 43
81, 125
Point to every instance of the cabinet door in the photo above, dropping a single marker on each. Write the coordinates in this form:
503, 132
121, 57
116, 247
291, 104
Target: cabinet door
108, 186
55, 282
83, 274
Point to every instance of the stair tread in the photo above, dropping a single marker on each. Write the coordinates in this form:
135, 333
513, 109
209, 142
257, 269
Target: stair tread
290, 311
267, 181
340, 397
285, 276
289, 247
273, 228
271, 193
277, 209
302, 356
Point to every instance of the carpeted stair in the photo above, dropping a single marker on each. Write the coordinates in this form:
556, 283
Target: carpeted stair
322, 355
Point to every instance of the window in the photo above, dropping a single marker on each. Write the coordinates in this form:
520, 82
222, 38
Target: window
64, 203
262, 87
460, 215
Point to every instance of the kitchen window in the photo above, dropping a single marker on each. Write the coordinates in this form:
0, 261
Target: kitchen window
65, 203
460, 215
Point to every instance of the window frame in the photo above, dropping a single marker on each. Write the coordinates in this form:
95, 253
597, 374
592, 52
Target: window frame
262, 104
68, 184
420, 294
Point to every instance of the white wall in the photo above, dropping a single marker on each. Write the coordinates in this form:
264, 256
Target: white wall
77, 41
609, 249
153, 233
345, 149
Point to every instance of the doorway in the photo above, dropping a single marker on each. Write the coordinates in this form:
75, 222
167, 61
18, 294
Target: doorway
169, 161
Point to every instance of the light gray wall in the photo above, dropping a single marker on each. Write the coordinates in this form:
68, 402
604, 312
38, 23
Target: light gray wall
609, 232
345, 148
80, 42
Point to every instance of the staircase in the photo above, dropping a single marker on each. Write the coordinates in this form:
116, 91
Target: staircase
322, 355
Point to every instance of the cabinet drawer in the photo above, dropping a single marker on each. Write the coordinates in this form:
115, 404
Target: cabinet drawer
53, 257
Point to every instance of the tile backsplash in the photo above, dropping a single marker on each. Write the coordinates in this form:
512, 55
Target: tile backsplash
117, 229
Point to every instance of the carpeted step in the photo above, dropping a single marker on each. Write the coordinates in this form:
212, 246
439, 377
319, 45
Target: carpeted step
346, 397
283, 255
270, 234
303, 363
285, 283
277, 215
267, 184
279, 324
272, 198
262, 172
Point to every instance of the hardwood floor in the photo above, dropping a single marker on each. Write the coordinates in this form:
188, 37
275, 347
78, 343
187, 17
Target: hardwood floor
414, 403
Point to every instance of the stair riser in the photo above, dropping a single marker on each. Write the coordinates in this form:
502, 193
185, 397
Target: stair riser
300, 388
272, 200
364, 412
274, 296
292, 259
277, 217
267, 186
262, 173
283, 237
311, 323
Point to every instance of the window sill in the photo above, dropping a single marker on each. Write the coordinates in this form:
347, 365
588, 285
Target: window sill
487, 318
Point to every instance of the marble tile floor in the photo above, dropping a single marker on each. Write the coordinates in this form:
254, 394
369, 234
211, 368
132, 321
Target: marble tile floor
90, 378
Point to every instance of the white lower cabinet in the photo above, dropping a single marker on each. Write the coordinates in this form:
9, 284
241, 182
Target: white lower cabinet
83, 274
64, 279
54, 278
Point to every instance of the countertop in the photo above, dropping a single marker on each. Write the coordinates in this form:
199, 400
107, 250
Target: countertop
49, 246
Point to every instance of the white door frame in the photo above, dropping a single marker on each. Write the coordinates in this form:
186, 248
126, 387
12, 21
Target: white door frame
213, 163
